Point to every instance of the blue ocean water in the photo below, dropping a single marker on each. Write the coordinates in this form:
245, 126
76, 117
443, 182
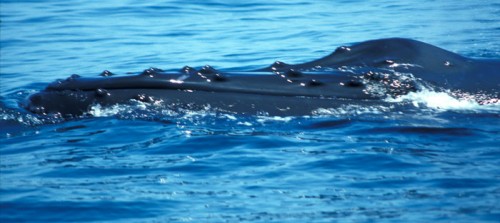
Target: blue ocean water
436, 161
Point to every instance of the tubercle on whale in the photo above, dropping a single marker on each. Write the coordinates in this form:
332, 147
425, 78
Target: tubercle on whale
351, 74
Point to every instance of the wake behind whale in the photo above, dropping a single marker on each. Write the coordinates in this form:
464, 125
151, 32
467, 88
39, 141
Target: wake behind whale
363, 74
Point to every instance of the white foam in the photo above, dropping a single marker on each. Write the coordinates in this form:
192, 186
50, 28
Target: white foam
264, 119
442, 101
348, 110
100, 111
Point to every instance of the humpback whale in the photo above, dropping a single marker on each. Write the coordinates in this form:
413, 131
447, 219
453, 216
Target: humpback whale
364, 73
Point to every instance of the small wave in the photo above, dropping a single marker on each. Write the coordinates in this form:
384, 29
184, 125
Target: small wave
443, 101
12, 116
352, 110
139, 109
142, 110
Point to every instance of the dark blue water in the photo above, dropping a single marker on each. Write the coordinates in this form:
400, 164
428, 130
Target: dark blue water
434, 161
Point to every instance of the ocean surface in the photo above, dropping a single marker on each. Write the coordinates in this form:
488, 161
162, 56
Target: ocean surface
434, 161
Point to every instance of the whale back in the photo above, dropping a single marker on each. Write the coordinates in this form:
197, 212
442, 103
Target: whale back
424, 61
362, 74
396, 50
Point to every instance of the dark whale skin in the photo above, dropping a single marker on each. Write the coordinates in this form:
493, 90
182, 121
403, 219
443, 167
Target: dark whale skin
343, 77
